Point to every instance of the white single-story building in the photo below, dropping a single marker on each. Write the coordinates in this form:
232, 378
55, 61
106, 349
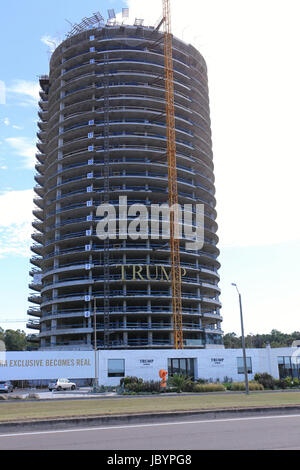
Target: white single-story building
111, 365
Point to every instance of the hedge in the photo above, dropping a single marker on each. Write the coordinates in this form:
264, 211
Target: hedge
209, 388
240, 386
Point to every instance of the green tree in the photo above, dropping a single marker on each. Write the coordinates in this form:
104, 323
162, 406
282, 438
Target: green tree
2, 343
231, 341
275, 338
15, 340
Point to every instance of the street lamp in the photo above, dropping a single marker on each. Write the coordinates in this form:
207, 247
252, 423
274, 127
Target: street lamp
243, 341
95, 387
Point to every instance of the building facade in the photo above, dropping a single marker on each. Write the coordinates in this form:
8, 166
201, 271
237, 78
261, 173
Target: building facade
223, 365
102, 137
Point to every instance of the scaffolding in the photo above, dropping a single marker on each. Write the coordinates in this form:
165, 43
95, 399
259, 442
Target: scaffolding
94, 21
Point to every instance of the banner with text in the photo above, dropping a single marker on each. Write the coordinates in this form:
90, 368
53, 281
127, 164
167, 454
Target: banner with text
38, 365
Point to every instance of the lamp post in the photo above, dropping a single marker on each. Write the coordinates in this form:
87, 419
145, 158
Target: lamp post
95, 347
243, 341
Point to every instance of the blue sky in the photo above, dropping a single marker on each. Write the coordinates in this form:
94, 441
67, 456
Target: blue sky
251, 51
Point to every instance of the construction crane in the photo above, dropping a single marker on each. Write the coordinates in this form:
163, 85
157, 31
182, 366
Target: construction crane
172, 179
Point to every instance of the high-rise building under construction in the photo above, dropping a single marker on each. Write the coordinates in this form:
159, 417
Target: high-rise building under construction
102, 139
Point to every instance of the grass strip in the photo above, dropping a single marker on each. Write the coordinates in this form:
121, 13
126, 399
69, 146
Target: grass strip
14, 411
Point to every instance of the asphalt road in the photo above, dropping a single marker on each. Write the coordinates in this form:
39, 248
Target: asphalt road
251, 433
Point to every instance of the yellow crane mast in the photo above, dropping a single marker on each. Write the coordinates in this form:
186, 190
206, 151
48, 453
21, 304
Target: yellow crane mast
172, 179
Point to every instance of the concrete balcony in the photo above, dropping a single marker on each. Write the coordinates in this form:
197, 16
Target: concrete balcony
38, 237
39, 213
39, 190
34, 311
39, 179
35, 286
36, 260
33, 324
43, 105
35, 298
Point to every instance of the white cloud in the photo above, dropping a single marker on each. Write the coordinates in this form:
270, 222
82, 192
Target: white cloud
28, 90
7, 122
251, 50
15, 222
24, 147
51, 42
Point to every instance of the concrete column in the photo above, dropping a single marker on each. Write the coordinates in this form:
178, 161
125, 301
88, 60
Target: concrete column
125, 337
53, 341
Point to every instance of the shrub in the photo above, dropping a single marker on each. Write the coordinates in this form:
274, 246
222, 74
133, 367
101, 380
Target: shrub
296, 383
189, 386
255, 386
129, 380
266, 380
289, 382
280, 383
209, 387
227, 385
180, 381
143, 387
240, 386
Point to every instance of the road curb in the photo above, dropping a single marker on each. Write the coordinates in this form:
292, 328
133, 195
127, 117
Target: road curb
142, 418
